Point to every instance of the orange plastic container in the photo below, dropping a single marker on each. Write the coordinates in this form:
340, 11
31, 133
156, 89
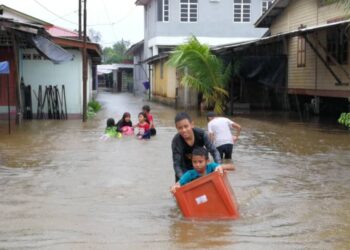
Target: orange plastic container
208, 197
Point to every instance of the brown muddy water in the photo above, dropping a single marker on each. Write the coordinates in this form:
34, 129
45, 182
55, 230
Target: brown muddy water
62, 187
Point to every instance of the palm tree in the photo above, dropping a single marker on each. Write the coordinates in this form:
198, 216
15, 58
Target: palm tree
204, 71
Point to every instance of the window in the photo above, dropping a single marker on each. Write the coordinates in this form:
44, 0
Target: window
37, 57
301, 52
241, 10
26, 56
337, 45
163, 10
188, 10
266, 5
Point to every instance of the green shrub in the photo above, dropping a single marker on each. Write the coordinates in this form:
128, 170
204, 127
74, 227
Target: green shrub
344, 119
95, 105
90, 112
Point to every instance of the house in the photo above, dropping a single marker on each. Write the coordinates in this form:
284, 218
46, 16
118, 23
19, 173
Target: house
140, 71
316, 39
120, 75
32, 67
171, 23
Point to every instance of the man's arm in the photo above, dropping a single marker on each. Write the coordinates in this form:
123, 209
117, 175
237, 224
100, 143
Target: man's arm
225, 167
211, 133
237, 127
211, 148
177, 157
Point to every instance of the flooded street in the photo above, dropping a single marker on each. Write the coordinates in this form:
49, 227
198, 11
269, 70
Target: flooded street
62, 187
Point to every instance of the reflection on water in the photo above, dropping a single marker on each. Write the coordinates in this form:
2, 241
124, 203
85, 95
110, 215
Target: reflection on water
201, 235
63, 188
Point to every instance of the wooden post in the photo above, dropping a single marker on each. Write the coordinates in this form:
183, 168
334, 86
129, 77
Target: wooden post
8, 102
84, 69
16, 79
79, 19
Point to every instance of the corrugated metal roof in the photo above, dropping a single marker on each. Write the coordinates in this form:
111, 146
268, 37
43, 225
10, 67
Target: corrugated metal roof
108, 68
135, 47
269, 39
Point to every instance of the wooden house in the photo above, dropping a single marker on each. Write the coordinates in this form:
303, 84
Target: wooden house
316, 39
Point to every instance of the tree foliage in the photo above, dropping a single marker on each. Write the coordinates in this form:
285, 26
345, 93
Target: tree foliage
94, 35
204, 71
117, 53
344, 119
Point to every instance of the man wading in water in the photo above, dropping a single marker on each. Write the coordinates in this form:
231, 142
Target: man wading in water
185, 141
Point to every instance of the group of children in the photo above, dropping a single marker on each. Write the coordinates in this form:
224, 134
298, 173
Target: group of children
191, 146
124, 126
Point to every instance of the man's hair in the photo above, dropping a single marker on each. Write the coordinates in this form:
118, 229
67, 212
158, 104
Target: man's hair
182, 116
211, 114
200, 151
146, 108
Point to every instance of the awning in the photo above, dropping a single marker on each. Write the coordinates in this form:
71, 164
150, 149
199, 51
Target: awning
278, 36
52, 51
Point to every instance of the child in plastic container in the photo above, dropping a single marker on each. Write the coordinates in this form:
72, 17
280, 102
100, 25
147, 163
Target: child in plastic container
124, 125
143, 126
202, 166
111, 130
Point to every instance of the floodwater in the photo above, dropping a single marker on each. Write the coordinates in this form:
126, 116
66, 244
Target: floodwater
62, 187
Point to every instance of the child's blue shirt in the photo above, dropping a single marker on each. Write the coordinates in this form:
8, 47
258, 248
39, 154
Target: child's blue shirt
192, 174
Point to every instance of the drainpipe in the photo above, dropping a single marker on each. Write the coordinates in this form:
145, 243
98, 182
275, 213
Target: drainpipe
149, 80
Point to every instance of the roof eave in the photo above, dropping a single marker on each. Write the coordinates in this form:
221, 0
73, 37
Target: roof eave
267, 18
142, 2
37, 20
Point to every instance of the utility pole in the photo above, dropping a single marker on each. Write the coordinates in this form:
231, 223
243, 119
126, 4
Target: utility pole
84, 69
79, 19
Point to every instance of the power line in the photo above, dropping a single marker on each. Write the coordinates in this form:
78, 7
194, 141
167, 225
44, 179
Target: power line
54, 13
104, 7
90, 25
67, 14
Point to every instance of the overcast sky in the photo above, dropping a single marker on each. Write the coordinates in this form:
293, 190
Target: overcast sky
114, 19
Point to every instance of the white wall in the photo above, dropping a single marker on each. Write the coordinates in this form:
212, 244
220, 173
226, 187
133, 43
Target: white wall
44, 72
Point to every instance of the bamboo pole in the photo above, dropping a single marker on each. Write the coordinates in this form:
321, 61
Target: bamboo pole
84, 69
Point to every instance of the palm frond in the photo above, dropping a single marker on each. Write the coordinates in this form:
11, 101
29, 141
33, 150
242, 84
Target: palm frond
204, 71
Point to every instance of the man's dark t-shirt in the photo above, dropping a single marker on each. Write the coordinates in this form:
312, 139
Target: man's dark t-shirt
182, 152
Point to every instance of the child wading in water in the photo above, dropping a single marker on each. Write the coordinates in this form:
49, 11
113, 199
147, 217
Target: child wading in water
201, 165
111, 130
143, 126
146, 109
124, 125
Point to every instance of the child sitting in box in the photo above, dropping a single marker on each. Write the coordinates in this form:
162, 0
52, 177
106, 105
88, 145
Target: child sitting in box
201, 165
